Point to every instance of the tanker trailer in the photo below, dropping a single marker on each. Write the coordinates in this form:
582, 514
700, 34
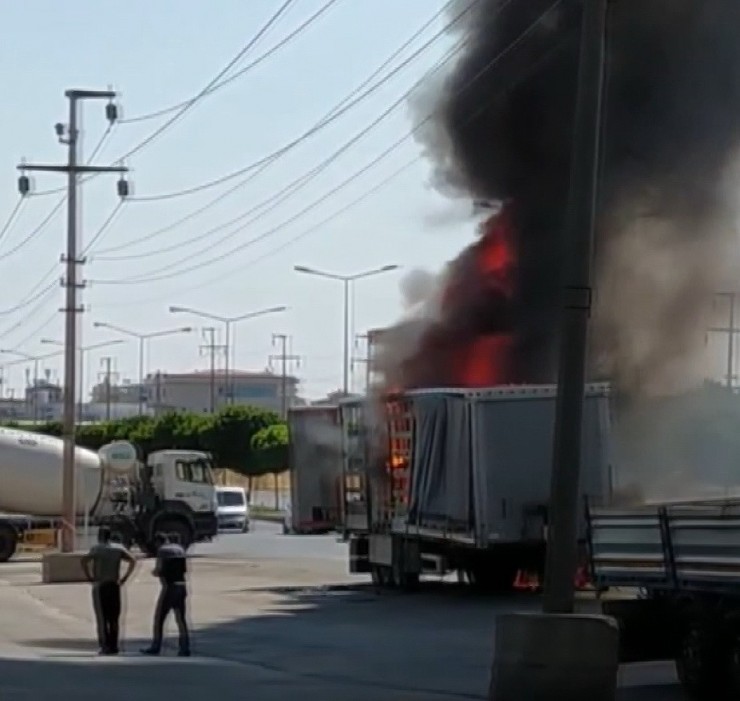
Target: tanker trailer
173, 491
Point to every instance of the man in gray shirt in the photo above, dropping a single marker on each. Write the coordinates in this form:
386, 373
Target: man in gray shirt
102, 566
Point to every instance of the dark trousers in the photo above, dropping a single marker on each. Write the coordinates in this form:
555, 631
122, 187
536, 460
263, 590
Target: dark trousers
172, 597
107, 604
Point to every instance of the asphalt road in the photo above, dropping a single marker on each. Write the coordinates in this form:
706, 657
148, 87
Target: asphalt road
266, 540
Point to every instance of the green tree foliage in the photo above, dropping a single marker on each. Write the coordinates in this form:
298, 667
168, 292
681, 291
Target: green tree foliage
228, 435
270, 449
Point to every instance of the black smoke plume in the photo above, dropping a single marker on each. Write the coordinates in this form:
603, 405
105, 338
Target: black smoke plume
666, 233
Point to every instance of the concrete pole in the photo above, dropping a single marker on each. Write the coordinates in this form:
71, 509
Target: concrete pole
562, 547
70, 339
227, 347
731, 343
142, 342
345, 384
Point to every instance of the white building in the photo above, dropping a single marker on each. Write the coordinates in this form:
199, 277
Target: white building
202, 391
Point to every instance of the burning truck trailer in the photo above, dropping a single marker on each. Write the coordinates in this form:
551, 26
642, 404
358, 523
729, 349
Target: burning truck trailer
458, 479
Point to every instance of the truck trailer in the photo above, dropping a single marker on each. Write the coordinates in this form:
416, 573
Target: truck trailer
172, 491
315, 463
680, 564
446, 480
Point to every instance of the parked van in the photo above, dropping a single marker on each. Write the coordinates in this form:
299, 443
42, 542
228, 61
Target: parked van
233, 509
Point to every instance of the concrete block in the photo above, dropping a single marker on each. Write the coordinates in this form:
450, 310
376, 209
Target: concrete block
540, 657
59, 568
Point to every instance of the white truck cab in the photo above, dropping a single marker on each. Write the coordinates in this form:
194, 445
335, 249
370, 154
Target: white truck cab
173, 492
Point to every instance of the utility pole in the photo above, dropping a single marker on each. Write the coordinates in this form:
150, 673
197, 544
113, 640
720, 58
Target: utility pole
69, 135
285, 358
211, 347
282, 340
731, 330
107, 376
562, 545
360, 337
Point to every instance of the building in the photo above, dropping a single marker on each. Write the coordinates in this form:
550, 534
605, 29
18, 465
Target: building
203, 391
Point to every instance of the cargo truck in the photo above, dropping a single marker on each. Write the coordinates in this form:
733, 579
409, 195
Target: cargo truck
173, 491
444, 480
679, 565
315, 463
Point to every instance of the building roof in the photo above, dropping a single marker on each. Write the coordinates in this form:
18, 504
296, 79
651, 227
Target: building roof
220, 372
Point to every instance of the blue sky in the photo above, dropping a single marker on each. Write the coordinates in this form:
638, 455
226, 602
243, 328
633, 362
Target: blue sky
158, 54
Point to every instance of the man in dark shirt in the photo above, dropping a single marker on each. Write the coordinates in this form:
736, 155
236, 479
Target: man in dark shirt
102, 566
171, 569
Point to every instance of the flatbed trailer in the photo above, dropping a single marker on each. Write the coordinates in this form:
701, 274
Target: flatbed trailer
681, 561
458, 480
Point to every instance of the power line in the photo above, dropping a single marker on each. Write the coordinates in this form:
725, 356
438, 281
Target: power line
190, 103
12, 217
34, 232
317, 127
104, 226
272, 202
264, 165
242, 71
384, 154
305, 233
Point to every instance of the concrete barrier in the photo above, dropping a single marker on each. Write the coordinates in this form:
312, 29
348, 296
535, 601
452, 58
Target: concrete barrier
541, 657
62, 568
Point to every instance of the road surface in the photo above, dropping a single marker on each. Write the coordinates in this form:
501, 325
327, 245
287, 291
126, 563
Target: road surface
267, 627
266, 540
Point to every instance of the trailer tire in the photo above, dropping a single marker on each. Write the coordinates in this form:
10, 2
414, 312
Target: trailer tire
8, 542
405, 581
701, 665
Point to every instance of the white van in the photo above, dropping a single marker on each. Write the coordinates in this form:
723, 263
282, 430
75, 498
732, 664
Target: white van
233, 509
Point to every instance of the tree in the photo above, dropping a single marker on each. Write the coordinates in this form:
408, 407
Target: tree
229, 434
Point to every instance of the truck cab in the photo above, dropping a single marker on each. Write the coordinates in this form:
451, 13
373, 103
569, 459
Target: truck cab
172, 492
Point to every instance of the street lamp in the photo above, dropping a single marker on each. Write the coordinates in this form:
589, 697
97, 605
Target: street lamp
82, 350
227, 321
143, 338
346, 280
35, 360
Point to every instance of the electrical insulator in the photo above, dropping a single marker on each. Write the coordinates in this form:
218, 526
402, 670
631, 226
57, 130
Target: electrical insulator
123, 188
24, 185
111, 112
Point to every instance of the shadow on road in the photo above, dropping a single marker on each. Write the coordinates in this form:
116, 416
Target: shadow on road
333, 643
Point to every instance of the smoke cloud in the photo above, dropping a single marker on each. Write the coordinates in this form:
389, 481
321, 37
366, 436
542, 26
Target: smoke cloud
666, 239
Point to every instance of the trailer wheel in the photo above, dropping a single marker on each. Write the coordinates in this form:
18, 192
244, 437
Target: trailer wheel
405, 581
8, 542
701, 666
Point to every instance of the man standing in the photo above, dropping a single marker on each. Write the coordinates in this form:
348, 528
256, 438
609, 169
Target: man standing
171, 569
102, 566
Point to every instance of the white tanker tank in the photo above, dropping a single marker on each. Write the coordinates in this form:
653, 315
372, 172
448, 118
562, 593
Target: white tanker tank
31, 474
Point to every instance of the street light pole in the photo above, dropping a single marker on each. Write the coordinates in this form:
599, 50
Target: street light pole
227, 321
346, 280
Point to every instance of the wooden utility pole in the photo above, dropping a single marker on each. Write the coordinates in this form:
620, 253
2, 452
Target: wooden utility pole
731, 330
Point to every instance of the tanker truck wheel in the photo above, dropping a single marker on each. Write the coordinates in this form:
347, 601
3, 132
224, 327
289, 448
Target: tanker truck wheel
174, 525
8, 543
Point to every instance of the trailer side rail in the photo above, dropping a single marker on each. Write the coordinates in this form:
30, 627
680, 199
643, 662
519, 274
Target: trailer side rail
684, 548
